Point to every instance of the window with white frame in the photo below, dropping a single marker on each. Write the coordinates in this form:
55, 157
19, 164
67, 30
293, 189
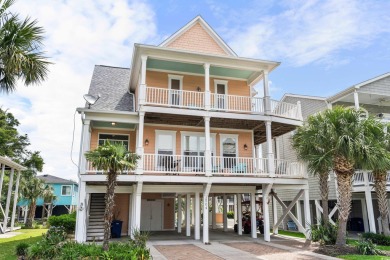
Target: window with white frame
175, 85
66, 190
193, 147
165, 148
114, 139
229, 150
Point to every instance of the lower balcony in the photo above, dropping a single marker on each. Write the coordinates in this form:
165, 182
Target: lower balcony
184, 165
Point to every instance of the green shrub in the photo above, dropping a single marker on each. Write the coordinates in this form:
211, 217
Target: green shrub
230, 214
22, 249
378, 239
367, 247
68, 221
326, 234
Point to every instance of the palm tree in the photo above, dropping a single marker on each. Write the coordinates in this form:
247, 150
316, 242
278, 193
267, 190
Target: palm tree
31, 189
349, 140
310, 145
48, 199
20, 50
113, 159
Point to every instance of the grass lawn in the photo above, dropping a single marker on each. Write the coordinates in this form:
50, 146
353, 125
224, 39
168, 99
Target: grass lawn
8, 245
291, 234
363, 257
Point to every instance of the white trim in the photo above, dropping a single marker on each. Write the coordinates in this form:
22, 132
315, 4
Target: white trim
207, 28
70, 190
197, 74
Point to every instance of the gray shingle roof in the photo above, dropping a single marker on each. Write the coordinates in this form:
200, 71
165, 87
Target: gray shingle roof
54, 179
112, 83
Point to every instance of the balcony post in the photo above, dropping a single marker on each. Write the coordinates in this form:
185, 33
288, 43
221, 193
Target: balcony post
197, 216
207, 146
225, 212
356, 99
16, 193
85, 145
306, 209
270, 153
179, 213
142, 89
140, 144
267, 99
81, 217
9, 194
299, 110
239, 214
368, 197
188, 214
207, 97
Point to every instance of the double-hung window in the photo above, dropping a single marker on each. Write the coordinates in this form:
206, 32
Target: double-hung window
66, 190
229, 150
165, 149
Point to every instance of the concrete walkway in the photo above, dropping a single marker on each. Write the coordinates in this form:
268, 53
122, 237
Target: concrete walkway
228, 245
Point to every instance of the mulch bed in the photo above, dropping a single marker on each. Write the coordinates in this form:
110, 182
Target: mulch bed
333, 250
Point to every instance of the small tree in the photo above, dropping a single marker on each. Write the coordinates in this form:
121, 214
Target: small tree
32, 189
112, 159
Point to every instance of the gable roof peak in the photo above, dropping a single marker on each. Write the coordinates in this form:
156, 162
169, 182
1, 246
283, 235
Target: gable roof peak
207, 28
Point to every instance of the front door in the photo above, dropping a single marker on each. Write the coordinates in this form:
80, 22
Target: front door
221, 96
151, 215
175, 92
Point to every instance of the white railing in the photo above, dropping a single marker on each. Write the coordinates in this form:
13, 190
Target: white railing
93, 170
285, 109
238, 166
358, 178
174, 98
237, 103
287, 168
174, 164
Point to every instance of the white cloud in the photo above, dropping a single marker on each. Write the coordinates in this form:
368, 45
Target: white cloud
79, 34
304, 32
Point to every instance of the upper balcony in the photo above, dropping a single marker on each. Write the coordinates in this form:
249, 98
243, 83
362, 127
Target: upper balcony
364, 179
157, 96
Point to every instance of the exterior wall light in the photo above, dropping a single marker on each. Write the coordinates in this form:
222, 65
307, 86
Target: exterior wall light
245, 147
113, 123
146, 142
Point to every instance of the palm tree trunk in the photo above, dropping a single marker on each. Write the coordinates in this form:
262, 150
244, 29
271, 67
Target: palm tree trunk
110, 203
324, 188
344, 174
31, 214
380, 178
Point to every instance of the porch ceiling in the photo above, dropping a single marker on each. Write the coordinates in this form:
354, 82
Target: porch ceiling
118, 125
197, 69
197, 121
366, 98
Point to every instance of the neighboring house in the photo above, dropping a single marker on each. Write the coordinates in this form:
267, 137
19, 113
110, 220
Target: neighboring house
374, 97
66, 192
188, 108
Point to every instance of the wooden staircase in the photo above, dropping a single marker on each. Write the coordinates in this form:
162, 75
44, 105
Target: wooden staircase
95, 229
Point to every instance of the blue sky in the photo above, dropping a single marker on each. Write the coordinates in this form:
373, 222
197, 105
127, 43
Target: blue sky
323, 47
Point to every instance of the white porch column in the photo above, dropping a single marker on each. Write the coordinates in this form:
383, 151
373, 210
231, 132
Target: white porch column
235, 208
270, 153
225, 227
197, 216
188, 215
267, 98
142, 87
140, 144
356, 99
207, 145
266, 188
85, 145
9, 194
206, 192
193, 212
213, 215
370, 209
137, 213
306, 208
16, 193
239, 215
81, 217
299, 211
318, 212
179, 213
275, 215
207, 97
364, 213
2, 178
253, 216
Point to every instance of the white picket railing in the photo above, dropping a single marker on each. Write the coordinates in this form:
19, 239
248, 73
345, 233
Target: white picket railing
93, 170
174, 98
285, 109
237, 103
287, 168
174, 164
358, 178
238, 166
